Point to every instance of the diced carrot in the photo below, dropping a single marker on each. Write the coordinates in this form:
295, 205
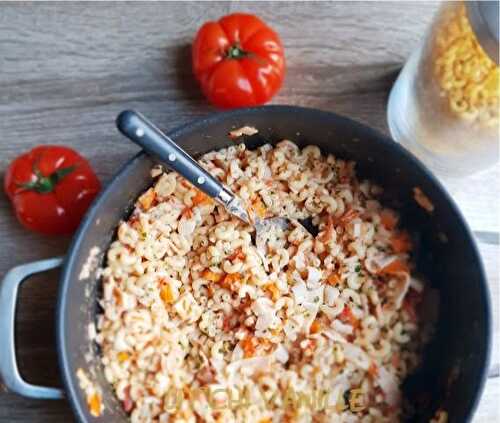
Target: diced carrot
118, 296
389, 219
186, 391
187, 213
273, 291
201, 198
238, 254
333, 279
401, 242
373, 370
248, 346
232, 277
395, 267
259, 208
315, 326
166, 294
266, 420
211, 276
123, 356
146, 199
95, 404
229, 279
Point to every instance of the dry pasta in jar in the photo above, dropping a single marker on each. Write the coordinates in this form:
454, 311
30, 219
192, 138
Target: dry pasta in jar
468, 79
444, 106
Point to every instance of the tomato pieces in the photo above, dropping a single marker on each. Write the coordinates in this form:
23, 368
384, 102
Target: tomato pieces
395, 267
401, 242
315, 326
346, 316
333, 279
389, 219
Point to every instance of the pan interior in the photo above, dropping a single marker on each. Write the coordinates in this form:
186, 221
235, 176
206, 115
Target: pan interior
456, 362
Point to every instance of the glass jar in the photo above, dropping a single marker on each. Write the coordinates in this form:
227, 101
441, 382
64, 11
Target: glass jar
444, 106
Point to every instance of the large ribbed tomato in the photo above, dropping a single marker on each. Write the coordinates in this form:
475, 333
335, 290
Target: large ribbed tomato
238, 60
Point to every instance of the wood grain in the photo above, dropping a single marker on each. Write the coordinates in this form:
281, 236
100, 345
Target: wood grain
67, 70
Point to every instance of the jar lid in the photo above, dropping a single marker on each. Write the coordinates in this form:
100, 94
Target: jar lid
483, 17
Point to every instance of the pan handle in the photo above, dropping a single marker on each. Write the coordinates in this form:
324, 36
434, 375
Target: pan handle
9, 372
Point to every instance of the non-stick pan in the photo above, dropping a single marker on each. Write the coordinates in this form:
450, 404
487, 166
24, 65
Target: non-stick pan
456, 362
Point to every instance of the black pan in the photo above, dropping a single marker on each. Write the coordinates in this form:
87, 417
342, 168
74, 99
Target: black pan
456, 362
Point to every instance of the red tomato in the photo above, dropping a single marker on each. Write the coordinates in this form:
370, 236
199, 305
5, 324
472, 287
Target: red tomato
51, 188
239, 61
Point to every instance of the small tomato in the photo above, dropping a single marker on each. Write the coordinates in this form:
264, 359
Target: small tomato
50, 188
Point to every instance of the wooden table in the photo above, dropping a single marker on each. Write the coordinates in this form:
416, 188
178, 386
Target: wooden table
66, 70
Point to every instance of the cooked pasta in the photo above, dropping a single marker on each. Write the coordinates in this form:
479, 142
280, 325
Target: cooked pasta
198, 324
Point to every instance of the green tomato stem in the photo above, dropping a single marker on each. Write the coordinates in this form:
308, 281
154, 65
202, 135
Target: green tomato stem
46, 184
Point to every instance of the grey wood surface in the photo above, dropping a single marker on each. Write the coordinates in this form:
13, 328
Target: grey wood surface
66, 70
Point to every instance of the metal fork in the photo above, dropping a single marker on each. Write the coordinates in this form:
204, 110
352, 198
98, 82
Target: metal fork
159, 145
